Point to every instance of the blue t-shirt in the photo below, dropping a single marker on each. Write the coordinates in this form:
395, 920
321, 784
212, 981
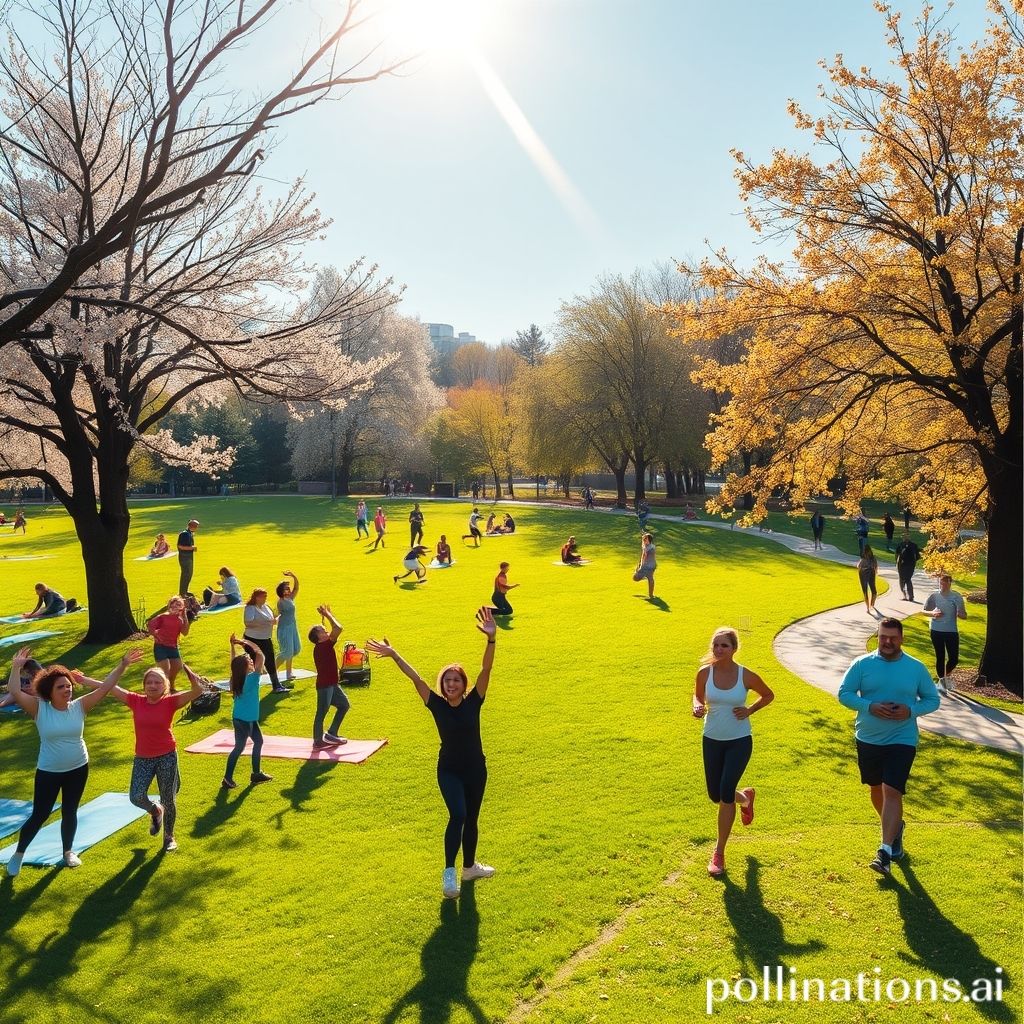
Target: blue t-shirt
247, 703
905, 681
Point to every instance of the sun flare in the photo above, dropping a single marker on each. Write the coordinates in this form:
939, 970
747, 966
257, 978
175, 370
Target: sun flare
429, 27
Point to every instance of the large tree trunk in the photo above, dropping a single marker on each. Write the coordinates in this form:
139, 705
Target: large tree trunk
640, 467
1001, 660
671, 491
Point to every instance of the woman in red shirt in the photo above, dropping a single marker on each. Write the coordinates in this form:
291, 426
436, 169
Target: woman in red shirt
165, 630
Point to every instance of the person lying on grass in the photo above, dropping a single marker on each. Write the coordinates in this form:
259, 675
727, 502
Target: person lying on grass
461, 766
28, 672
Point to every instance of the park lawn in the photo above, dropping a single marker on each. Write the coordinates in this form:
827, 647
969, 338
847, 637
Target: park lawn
317, 896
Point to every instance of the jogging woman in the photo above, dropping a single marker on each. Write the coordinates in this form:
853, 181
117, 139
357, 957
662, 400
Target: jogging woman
166, 629
259, 628
461, 765
720, 698
288, 643
246, 669
63, 765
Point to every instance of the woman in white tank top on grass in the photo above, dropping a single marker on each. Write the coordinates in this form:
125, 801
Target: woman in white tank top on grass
720, 698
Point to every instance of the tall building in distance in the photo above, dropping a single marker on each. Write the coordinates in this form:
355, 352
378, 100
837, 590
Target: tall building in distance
444, 339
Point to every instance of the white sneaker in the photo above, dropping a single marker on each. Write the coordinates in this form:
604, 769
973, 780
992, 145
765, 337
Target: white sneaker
940, 685
14, 864
450, 884
477, 870
950, 688
72, 860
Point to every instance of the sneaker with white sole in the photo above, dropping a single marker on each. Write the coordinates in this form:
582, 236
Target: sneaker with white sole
897, 843
335, 741
449, 884
72, 860
882, 863
477, 870
716, 866
170, 846
156, 819
14, 864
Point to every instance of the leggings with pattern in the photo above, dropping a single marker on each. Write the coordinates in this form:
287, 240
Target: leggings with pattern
165, 770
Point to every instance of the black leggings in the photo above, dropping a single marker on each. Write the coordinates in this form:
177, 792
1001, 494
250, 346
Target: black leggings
70, 785
724, 764
947, 651
463, 792
270, 666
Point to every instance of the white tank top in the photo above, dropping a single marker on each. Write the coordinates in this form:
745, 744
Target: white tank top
719, 722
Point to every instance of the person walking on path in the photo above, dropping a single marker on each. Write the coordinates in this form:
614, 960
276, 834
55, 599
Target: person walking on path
944, 607
246, 669
288, 643
361, 517
501, 589
720, 698
328, 690
862, 532
156, 750
166, 629
461, 764
907, 556
890, 528
415, 526
187, 555
867, 571
817, 528
648, 563
259, 628
889, 690
380, 525
906, 517
474, 528
63, 764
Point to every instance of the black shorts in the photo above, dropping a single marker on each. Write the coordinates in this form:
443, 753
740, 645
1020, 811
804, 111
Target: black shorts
885, 764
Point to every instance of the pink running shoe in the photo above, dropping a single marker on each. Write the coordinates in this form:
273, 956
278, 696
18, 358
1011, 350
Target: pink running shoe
716, 866
747, 812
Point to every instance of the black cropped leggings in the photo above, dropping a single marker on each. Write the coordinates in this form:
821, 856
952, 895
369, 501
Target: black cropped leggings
463, 793
947, 651
724, 764
70, 786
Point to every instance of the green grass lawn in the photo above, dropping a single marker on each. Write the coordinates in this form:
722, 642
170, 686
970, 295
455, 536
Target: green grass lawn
317, 897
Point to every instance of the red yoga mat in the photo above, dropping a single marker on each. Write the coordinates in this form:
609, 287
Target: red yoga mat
353, 752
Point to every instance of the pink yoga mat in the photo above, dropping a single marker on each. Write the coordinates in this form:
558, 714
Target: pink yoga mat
353, 752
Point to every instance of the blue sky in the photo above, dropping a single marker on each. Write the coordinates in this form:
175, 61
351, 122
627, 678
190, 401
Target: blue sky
639, 102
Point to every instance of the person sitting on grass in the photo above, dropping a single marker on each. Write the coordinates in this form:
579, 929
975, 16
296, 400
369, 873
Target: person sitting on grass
28, 671
328, 692
501, 589
160, 547
230, 590
444, 551
474, 528
491, 526
508, 524
690, 513
413, 564
246, 669
48, 602
569, 554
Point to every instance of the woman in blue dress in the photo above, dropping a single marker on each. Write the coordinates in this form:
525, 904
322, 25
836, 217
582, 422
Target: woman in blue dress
288, 645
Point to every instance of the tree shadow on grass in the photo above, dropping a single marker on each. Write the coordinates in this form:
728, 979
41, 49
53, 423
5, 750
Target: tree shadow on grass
309, 778
759, 937
939, 946
446, 959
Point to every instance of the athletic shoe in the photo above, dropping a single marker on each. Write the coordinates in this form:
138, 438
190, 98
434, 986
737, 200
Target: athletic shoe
14, 864
940, 685
477, 870
225, 784
882, 863
950, 687
72, 860
897, 843
450, 884
257, 777
334, 741
156, 820
747, 812
320, 744
170, 846
281, 689
716, 866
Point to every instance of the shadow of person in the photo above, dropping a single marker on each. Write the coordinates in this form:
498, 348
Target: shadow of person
309, 778
15, 901
222, 808
446, 959
940, 947
759, 938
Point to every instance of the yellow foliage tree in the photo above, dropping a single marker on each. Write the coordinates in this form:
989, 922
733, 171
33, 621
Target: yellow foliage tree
888, 349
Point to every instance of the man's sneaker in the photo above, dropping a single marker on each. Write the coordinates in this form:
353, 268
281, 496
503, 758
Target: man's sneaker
477, 870
334, 741
170, 846
72, 860
449, 884
14, 864
225, 784
281, 689
156, 820
716, 866
257, 777
897, 843
747, 811
882, 863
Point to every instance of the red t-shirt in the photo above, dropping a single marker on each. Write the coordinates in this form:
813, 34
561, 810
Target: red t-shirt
325, 658
166, 629
153, 736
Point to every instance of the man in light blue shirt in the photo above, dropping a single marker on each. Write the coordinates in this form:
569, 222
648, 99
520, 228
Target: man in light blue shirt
889, 690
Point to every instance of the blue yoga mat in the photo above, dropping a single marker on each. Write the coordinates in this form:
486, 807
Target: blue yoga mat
14, 814
97, 819
20, 639
13, 620
221, 608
